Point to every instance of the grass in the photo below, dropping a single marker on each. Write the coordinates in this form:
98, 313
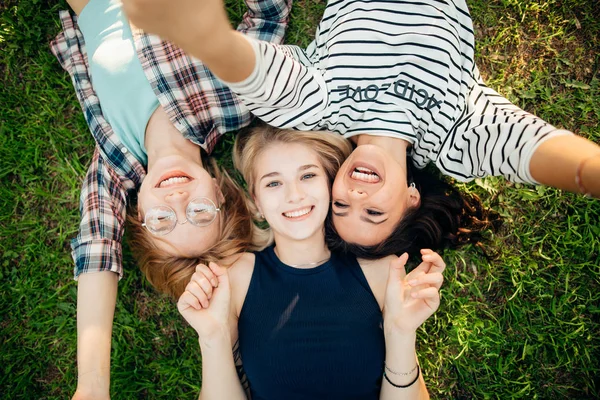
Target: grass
522, 324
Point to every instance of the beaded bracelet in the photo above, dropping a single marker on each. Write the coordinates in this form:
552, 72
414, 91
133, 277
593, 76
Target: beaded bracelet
578, 180
403, 386
400, 373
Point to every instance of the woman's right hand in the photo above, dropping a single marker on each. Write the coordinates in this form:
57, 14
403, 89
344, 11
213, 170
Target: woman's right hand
205, 304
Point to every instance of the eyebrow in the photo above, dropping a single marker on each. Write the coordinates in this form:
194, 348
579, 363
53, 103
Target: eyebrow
275, 173
362, 218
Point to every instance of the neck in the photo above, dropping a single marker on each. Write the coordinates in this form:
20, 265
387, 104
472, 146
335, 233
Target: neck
395, 146
162, 139
302, 253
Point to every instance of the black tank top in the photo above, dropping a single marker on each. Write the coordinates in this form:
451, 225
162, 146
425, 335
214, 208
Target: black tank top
311, 333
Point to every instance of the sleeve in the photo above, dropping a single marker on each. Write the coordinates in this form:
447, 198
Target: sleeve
266, 19
103, 205
495, 138
284, 89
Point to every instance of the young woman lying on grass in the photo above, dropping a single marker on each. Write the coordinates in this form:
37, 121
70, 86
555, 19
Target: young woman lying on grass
311, 323
151, 110
398, 78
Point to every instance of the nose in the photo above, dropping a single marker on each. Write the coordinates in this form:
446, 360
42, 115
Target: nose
294, 193
357, 194
176, 196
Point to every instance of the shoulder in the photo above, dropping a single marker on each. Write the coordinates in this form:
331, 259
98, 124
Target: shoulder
240, 274
376, 273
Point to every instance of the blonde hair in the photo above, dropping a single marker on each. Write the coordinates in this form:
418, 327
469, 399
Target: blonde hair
169, 273
331, 148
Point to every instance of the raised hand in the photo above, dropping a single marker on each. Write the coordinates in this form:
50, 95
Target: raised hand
205, 304
411, 299
181, 21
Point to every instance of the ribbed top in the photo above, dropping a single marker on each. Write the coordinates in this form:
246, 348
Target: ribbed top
311, 333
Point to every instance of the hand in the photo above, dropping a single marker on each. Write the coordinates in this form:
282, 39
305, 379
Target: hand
411, 299
181, 21
205, 304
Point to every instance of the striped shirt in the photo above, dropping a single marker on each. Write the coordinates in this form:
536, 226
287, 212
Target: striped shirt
200, 106
402, 69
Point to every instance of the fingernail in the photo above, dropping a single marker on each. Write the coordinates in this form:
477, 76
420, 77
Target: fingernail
412, 282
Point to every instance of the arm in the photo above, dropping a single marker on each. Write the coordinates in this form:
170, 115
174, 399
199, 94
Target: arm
96, 297
97, 255
277, 83
206, 306
557, 161
409, 301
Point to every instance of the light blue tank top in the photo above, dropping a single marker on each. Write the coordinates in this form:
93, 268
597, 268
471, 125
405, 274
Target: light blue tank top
125, 95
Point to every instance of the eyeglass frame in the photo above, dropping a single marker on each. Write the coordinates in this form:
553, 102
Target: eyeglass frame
217, 210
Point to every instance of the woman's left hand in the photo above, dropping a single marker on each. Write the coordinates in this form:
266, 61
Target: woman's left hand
411, 299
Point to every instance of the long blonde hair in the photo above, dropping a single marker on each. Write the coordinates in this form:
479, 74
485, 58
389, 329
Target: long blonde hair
331, 148
169, 273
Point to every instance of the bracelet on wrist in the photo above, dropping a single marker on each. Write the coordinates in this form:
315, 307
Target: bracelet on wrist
403, 386
388, 369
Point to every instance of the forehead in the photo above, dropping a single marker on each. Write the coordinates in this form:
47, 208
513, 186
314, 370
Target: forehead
284, 157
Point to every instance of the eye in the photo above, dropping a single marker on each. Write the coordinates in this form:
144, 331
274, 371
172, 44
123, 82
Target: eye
308, 176
340, 205
373, 212
272, 184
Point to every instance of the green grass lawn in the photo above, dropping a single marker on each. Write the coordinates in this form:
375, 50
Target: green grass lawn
519, 319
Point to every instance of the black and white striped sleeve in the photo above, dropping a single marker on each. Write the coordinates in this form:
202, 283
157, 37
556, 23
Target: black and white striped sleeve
284, 89
494, 137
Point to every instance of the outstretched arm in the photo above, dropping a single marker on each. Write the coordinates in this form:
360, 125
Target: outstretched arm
568, 162
96, 297
277, 83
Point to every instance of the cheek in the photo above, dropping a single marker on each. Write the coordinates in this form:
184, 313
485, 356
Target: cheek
337, 189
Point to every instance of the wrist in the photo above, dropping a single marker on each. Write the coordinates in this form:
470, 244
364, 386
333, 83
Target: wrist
218, 339
94, 384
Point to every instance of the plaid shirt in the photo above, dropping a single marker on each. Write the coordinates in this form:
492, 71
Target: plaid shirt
199, 106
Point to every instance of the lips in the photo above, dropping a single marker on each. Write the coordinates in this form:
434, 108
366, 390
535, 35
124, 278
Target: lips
364, 173
298, 213
173, 178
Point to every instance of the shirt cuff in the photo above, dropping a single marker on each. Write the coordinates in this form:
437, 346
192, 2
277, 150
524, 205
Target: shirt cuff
97, 256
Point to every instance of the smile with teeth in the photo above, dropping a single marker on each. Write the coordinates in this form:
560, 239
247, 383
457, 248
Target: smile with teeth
174, 180
365, 175
298, 213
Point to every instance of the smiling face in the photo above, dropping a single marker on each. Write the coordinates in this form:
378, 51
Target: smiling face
291, 190
174, 181
370, 195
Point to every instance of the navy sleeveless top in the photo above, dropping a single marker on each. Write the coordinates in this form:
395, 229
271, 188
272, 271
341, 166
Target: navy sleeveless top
311, 333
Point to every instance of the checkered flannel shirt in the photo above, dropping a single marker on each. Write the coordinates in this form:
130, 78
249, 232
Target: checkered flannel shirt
199, 106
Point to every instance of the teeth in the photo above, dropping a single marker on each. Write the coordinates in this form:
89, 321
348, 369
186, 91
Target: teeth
174, 180
298, 213
364, 170
369, 177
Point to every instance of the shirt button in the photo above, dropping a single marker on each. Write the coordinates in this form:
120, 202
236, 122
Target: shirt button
85, 82
124, 150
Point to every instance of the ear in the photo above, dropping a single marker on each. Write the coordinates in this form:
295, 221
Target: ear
255, 200
219, 193
139, 214
414, 197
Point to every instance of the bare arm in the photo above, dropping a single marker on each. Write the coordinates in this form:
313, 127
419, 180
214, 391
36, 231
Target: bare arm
556, 162
96, 298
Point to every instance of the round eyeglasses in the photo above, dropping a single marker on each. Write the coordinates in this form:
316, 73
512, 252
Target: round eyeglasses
161, 220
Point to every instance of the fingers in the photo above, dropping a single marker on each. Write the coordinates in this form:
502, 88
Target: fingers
187, 300
434, 279
436, 261
397, 267
430, 295
208, 273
